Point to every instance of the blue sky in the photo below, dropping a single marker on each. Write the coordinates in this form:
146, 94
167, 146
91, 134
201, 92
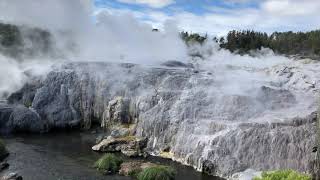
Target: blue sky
217, 17
193, 6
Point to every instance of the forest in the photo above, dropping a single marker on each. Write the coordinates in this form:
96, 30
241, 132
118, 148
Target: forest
305, 44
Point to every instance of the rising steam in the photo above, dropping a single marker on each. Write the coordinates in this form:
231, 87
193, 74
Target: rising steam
79, 34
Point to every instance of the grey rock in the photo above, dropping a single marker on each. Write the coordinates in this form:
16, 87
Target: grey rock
20, 119
195, 116
3, 166
129, 146
56, 102
117, 112
25, 95
280, 98
127, 168
177, 64
11, 176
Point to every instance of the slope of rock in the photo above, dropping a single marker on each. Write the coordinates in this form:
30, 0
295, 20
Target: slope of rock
210, 119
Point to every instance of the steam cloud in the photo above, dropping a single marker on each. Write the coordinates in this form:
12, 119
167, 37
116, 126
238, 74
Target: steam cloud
109, 38
103, 37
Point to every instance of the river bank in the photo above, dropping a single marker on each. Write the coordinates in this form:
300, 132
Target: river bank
68, 156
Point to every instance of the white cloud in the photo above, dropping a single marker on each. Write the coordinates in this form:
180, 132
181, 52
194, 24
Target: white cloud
269, 16
151, 3
291, 7
239, 1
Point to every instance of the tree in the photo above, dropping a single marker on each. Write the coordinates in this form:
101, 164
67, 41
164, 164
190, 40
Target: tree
289, 43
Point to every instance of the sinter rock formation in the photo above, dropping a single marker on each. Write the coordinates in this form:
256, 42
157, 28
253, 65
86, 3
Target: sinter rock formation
191, 116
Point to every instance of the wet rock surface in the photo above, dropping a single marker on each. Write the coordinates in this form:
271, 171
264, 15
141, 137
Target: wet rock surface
17, 118
203, 122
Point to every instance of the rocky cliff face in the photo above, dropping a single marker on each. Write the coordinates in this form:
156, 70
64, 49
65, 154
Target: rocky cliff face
189, 115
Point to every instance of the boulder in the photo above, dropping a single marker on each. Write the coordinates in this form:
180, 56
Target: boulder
134, 167
130, 145
17, 118
117, 112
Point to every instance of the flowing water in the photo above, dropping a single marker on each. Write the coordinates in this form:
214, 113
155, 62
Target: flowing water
68, 156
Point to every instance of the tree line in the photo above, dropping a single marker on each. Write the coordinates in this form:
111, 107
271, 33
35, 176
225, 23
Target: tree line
242, 42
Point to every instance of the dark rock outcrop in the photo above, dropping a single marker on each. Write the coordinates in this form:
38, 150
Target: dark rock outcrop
11, 176
3, 166
17, 118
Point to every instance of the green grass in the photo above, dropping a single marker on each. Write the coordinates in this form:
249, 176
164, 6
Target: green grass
108, 163
3, 150
283, 175
28, 104
134, 173
157, 173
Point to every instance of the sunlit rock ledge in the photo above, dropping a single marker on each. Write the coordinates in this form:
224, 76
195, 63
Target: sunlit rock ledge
211, 119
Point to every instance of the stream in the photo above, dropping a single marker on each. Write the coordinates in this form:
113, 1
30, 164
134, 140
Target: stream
68, 156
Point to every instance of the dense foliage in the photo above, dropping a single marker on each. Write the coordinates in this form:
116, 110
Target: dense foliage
283, 175
193, 37
108, 163
245, 41
288, 43
157, 173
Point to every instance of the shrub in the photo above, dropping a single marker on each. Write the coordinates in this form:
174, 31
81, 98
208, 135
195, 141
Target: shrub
157, 173
3, 150
283, 175
108, 163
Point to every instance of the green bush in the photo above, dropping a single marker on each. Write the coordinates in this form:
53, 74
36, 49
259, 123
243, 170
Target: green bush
157, 173
108, 163
3, 150
283, 175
